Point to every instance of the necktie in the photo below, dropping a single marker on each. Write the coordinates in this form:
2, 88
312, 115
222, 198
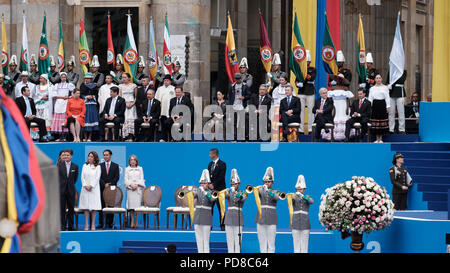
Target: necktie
260, 101
321, 104
178, 101
107, 168
415, 108
360, 103
68, 169
213, 166
289, 101
149, 108
27, 102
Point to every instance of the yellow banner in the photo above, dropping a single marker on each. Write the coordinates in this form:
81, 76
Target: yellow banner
257, 200
221, 198
441, 51
190, 199
289, 198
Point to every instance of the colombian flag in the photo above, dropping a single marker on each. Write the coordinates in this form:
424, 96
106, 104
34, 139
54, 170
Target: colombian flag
61, 51
24, 186
329, 51
297, 61
361, 53
231, 60
83, 47
5, 56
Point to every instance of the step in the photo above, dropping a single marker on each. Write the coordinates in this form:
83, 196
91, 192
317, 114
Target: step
426, 155
435, 196
438, 205
426, 187
429, 171
163, 244
162, 250
420, 147
431, 179
436, 163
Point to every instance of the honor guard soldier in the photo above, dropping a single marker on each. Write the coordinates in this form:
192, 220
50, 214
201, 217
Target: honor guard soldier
300, 219
307, 91
247, 79
99, 78
340, 58
276, 72
140, 71
54, 74
234, 219
13, 74
6, 86
266, 223
202, 215
397, 94
372, 72
117, 73
401, 181
34, 73
178, 79
72, 77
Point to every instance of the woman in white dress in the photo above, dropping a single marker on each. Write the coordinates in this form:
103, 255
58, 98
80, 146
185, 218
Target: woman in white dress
128, 91
341, 96
42, 97
279, 93
61, 92
90, 200
135, 184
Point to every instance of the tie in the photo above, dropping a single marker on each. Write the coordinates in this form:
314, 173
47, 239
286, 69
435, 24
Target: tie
415, 108
27, 102
213, 166
321, 104
107, 168
68, 169
360, 103
260, 101
178, 101
149, 108
289, 101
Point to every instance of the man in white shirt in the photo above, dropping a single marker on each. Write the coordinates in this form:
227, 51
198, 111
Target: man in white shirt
164, 94
104, 92
24, 82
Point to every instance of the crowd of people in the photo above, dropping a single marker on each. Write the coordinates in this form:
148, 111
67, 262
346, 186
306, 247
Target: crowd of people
117, 106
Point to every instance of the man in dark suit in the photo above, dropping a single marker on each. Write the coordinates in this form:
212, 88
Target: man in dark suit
68, 175
28, 109
114, 111
142, 92
110, 174
259, 100
360, 112
149, 112
217, 169
323, 109
290, 108
412, 111
180, 99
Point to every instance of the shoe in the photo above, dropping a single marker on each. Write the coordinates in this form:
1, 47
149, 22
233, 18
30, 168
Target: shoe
71, 229
222, 228
63, 229
99, 227
403, 133
43, 140
327, 131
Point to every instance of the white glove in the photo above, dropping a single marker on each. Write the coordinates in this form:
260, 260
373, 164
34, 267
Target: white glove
7, 77
269, 75
268, 84
362, 85
300, 85
390, 87
112, 73
233, 189
151, 83
265, 187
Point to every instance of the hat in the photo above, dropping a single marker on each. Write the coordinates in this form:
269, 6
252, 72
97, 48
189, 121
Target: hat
176, 61
33, 60
369, 58
205, 178
396, 156
141, 62
13, 60
88, 75
45, 76
95, 62
340, 57
119, 59
72, 61
234, 177
62, 73
52, 61
268, 176
276, 59
244, 63
237, 76
167, 77
308, 56
300, 182
24, 73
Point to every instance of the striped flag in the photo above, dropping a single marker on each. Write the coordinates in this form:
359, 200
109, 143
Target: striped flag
5, 56
265, 48
61, 52
329, 51
167, 55
83, 47
298, 61
153, 61
24, 65
130, 55
397, 57
110, 52
231, 60
361, 67
44, 61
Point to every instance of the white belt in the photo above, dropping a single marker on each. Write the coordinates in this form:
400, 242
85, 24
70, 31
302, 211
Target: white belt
235, 208
268, 207
310, 82
301, 212
202, 207
399, 85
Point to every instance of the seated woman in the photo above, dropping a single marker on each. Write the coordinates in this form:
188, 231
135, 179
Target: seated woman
217, 118
76, 111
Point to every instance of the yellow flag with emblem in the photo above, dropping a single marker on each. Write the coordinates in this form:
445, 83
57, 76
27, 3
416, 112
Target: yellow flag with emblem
221, 197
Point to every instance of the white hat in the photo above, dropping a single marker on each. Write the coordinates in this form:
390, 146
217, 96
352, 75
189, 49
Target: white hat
45, 76
72, 61
13, 60
234, 177
33, 59
369, 58
95, 62
244, 63
52, 61
205, 178
268, 176
308, 56
141, 62
340, 57
300, 182
176, 61
119, 59
276, 59
24, 73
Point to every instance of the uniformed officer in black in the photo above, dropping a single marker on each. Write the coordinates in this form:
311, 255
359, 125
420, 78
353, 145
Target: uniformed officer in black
372, 72
347, 72
401, 181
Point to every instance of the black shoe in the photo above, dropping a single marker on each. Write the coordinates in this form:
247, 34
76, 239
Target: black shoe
222, 228
63, 229
71, 229
43, 140
327, 131
99, 227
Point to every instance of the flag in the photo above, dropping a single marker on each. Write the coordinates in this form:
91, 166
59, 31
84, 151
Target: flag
167, 55
153, 62
24, 65
265, 48
61, 52
329, 51
298, 61
397, 57
361, 67
231, 60
110, 53
83, 47
44, 61
5, 56
130, 55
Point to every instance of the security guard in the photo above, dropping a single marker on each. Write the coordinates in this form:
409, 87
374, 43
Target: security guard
54, 74
140, 71
401, 181
72, 77
276, 72
178, 79
34, 72
347, 72
307, 91
397, 94
247, 79
300, 220
99, 78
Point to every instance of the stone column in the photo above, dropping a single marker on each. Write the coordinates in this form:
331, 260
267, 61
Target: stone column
410, 47
276, 26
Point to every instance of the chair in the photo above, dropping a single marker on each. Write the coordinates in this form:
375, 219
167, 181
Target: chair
146, 125
181, 207
152, 204
293, 133
110, 127
113, 201
76, 210
329, 126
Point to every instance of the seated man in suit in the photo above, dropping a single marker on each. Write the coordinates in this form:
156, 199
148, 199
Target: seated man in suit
412, 111
262, 99
142, 92
114, 111
28, 109
149, 112
360, 112
323, 109
180, 98
290, 108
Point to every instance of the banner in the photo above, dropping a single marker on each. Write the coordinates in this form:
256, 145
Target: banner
231, 60
130, 55
5, 56
265, 48
153, 60
167, 55
329, 51
441, 51
110, 51
61, 52
44, 60
24, 65
298, 61
83, 47
361, 66
397, 57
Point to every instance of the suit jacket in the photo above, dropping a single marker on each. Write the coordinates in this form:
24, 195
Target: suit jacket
119, 110
218, 175
254, 100
67, 182
20, 101
155, 112
112, 177
184, 101
141, 96
327, 109
365, 110
295, 106
409, 110
246, 93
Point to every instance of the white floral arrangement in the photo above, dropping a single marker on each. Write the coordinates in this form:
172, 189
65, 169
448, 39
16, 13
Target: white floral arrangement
359, 205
